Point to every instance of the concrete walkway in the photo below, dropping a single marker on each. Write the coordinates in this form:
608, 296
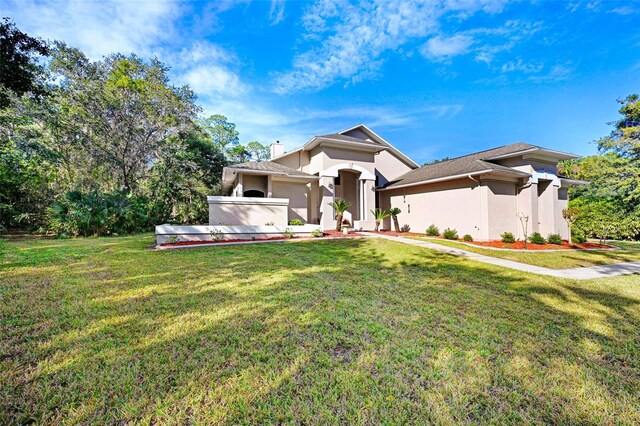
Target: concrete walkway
602, 271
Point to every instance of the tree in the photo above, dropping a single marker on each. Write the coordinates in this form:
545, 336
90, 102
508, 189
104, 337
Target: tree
570, 215
258, 151
340, 206
524, 222
238, 154
379, 215
611, 203
394, 212
19, 72
222, 133
119, 112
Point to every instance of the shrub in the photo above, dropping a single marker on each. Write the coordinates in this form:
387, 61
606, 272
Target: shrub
536, 238
405, 228
433, 231
450, 234
288, 233
467, 237
317, 233
216, 235
578, 238
296, 222
96, 213
507, 237
555, 239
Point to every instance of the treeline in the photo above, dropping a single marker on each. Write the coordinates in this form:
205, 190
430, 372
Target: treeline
609, 207
102, 147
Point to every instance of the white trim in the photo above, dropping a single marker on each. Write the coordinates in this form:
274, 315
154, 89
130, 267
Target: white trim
219, 199
333, 171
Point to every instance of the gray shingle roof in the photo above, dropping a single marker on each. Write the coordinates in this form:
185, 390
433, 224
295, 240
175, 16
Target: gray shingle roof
466, 164
269, 166
346, 138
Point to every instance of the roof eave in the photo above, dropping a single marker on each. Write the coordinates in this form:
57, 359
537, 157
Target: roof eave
551, 152
458, 176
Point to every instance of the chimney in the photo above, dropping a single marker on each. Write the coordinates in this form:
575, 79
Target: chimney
277, 149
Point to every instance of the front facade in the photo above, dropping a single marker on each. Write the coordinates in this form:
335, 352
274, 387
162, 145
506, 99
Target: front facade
483, 194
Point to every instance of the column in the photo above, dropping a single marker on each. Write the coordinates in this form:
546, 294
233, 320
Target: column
327, 215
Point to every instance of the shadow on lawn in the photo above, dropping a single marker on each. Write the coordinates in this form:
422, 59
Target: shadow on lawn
314, 332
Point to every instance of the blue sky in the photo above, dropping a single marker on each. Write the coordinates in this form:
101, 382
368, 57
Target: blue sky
437, 78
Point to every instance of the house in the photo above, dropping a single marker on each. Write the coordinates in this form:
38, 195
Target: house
482, 194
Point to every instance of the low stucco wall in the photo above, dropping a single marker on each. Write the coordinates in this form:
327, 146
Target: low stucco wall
178, 233
248, 211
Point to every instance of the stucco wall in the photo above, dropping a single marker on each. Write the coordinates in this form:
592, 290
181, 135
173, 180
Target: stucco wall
389, 167
297, 194
502, 208
248, 211
453, 204
254, 182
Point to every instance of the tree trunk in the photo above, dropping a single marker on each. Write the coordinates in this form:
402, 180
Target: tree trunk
377, 225
570, 240
396, 224
339, 222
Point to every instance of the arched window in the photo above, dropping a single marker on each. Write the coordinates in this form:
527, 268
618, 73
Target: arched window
253, 193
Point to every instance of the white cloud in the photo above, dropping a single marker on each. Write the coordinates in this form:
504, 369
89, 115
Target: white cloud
208, 69
276, 11
443, 48
352, 38
521, 66
98, 27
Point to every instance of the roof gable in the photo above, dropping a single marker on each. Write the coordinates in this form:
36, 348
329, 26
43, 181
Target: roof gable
364, 133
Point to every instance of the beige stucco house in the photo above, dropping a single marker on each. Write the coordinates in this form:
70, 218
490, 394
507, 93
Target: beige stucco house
483, 194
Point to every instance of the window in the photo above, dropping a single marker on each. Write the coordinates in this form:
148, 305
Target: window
336, 181
253, 193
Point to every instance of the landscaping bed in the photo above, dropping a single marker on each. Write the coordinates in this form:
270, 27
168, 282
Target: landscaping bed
327, 234
519, 245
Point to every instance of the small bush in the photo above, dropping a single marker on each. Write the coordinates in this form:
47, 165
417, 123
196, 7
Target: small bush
507, 237
467, 237
555, 239
288, 233
296, 222
405, 228
536, 238
317, 233
450, 234
578, 238
216, 235
433, 231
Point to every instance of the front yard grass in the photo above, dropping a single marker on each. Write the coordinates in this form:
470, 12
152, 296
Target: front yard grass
561, 259
100, 331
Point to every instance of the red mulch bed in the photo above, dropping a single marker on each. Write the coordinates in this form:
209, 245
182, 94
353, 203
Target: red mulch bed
399, 234
329, 234
332, 233
519, 245
196, 243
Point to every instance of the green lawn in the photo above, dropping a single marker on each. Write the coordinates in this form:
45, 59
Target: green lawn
99, 331
561, 259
